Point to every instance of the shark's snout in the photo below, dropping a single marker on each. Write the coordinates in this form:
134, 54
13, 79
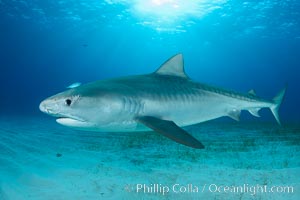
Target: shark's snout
42, 107
46, 106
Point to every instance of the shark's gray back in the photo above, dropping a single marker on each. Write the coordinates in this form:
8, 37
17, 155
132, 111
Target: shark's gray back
161, 88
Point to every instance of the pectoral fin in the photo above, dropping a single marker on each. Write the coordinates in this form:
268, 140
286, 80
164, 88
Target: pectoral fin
170, 130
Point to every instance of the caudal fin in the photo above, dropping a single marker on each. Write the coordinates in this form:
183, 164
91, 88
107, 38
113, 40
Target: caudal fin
276, 104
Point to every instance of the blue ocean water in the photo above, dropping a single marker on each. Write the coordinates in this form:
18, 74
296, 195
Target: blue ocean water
241, 45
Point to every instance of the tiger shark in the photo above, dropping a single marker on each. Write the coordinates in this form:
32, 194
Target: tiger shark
163, 101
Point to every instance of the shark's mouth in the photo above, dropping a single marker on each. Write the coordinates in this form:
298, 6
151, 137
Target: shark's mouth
73, 122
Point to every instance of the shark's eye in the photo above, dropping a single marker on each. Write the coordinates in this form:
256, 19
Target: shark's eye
68, 102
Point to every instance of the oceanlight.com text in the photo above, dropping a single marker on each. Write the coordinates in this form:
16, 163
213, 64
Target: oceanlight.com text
164, 189
251, 189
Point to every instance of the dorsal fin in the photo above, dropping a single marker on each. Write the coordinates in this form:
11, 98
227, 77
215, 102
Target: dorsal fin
252, 92
173, 67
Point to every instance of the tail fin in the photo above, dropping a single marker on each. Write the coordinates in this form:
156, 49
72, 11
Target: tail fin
276, 104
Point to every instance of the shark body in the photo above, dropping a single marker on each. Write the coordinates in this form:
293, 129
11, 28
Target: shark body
163, 101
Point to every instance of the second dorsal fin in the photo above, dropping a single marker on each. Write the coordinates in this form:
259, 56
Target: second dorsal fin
252, 92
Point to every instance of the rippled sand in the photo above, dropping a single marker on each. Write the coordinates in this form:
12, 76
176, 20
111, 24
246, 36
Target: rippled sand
40, 159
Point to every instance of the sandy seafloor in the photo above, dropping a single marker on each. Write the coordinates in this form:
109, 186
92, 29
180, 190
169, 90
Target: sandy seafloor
40, 159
